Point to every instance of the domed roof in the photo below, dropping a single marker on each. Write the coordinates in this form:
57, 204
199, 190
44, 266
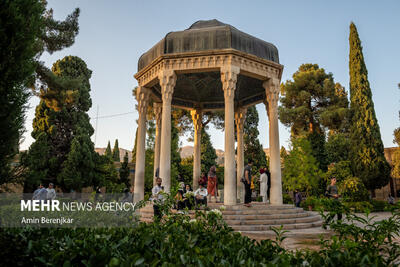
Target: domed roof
206, 35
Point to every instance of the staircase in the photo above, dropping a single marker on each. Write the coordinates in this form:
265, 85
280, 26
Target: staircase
258, 218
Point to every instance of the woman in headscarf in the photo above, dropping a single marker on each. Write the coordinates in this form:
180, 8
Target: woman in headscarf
212, 183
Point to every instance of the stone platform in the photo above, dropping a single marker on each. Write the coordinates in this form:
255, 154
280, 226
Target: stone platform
258, 219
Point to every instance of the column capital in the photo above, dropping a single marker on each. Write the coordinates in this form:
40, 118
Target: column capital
197, 119
272, 89
142, 97
240, 117
167, 80
229, 75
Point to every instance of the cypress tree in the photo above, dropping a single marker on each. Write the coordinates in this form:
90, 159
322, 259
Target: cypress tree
208, 155
367, 151
115, 152
108, 152
26, 31
252, 146
124, 172
62, 116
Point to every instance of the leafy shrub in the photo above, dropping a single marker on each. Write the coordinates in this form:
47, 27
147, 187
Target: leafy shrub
205, 240
378, 205
353, 189
360, 206
287, 199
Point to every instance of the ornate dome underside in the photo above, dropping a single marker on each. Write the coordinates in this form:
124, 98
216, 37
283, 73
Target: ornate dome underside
209, 35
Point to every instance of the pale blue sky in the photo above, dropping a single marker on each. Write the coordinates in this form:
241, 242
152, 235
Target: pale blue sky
113, 34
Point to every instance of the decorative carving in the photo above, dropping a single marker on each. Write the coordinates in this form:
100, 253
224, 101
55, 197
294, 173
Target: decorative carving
229, 75
272, 88
245, 62
167, 82
142, 97
240, 117
157, 108
197, 119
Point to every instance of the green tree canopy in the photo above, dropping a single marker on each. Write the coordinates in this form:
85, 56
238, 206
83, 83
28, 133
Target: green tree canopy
312, 101
26, 31
367, 151
208, 155
301, 168
108, 151
251, 144
62, 116
124, 172
115, 151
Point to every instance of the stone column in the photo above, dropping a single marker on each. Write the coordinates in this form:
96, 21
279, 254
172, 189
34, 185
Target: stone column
142, 97
197, 122
157, 107
272, 92
229, 77
240, 116
167, 82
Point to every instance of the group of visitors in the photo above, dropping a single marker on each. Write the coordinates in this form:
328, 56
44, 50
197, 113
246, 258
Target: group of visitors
42, 193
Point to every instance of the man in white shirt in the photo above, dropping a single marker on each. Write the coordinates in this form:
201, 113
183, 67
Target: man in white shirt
157, 197
51, 193
200, 195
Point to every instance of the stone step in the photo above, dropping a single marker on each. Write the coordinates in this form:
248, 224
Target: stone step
266, 216
273, 222
262, 211
255, 206
250, 217
268, 227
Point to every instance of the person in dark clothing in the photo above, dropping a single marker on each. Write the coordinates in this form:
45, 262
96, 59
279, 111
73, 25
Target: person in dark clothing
247, 183
333, 193
188, 197
297, 198
269, 185
203, 179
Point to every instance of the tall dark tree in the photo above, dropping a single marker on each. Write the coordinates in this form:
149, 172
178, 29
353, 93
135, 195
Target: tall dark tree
124, 172
62, 116
108, 151
252, 146
115, 152
312, 103
26, 31
367, 151
208, 155
20, 25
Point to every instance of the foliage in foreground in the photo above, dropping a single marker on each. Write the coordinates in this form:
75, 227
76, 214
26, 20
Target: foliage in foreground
204, 241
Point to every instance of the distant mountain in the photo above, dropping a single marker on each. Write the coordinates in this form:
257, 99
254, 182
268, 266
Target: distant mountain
102, 150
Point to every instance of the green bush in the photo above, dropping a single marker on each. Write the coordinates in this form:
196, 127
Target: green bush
358, 206
178, 240
353, 189
287, 199
378, 205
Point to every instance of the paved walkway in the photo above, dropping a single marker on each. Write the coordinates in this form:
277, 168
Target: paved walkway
308, 238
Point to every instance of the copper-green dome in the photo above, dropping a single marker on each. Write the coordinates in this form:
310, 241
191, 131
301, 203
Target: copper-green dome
206, 35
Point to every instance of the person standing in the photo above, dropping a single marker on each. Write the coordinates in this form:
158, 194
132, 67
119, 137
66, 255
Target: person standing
247, 183
51, 193
297, 198
157, 197
333, 193
212, 183
37, 192
263, 184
